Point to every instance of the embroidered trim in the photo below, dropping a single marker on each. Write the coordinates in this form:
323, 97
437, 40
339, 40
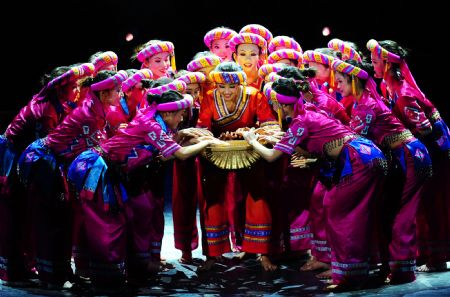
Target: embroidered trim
434, 116
331, 145
241, 105
395, 137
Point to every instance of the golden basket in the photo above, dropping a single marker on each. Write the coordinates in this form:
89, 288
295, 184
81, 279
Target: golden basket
238, 155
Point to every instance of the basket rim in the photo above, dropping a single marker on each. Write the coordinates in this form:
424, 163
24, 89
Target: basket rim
235, 145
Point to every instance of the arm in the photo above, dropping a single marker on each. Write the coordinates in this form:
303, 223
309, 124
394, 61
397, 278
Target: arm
186, 152
412, 116
269, 155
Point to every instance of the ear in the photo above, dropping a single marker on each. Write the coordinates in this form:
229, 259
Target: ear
235, 57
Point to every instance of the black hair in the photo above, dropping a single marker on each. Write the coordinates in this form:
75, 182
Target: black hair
58, 71
161, 82
288, 87
395, 48
299, 75
169, 96
101, 75
228, 67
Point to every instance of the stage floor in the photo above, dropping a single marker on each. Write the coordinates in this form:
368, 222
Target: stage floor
246, 278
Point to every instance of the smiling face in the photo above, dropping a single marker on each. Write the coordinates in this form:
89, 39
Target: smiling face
159, 64
221, 49
247, 57
229, 92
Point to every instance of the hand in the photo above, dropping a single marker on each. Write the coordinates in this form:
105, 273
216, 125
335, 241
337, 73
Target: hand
250, 136
123, 125
301, 162
212, 140
266, 139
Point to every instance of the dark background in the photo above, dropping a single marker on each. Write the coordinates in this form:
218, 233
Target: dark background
43, 36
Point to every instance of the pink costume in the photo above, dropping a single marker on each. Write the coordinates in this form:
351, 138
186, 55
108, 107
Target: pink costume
433, 220
125, 158
372, 119
419, 115
83, 128
39, 117
357, 181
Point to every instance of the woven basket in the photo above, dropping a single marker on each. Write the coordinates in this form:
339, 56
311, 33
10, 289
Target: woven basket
238, 155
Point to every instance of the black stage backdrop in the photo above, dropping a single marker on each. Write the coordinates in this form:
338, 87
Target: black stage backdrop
44, 35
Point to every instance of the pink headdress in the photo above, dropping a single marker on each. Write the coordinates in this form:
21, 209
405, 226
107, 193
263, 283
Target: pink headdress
110, 82
353, 71
105, 59
267, 69
271, 77
193, 78
382, 53
184, 103
237, 77
156, 48
74, 73
259, 30
314, 56
349, 69
176, 85
271, 94
216, 34
202, 62
290, 54
284, 42
136, 78
348, 53
249, 38
274, 97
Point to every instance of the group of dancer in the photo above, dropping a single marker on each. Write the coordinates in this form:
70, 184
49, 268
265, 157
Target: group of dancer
355, 178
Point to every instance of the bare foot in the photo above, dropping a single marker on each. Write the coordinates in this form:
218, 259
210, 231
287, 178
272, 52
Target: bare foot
158, 266
240, 256
325, 275
432, 267
186, 257
209, 263
314, 264
340, 288
267, 264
